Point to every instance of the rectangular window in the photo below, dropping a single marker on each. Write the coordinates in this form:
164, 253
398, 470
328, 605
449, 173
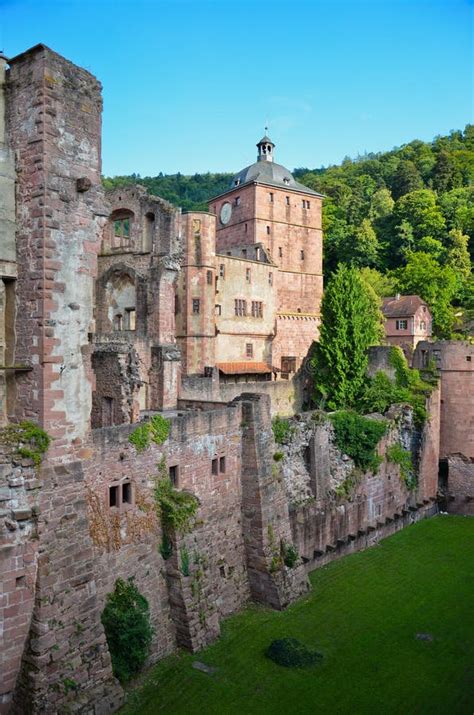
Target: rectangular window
249, 350
257, 309
222, 270
288, 364
130, 318
126, 493
215, 466
122, 227
196, 306
402, 324
287, 200
244, 252
303, 203
422, 325
222, 465
173, 474
302, 255
270, 197
209, 278
268, 230
280, 252
245, 227
218, 310
237, 200
114, 496
248, 275
240, 306
270, 279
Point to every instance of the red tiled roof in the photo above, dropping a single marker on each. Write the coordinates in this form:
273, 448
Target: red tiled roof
243, 368
403, 307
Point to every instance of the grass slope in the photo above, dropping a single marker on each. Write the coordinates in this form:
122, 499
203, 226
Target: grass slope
363, 614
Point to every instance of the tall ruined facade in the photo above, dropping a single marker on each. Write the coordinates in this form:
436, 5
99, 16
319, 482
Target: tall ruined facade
99, 330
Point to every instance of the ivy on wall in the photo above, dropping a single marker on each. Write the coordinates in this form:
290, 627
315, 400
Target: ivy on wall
156, 430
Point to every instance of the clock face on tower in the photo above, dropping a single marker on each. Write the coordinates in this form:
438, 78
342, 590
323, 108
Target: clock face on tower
226, 213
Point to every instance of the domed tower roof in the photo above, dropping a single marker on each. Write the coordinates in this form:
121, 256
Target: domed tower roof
266, 171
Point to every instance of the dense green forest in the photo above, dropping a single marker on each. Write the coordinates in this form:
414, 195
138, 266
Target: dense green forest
405, 217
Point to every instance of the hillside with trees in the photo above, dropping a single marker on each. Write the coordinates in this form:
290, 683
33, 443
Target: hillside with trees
404, 217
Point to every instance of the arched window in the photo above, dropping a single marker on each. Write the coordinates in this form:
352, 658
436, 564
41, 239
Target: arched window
121, 225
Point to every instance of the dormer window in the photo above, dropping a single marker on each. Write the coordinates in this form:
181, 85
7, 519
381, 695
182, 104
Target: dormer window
237, 182
286, 180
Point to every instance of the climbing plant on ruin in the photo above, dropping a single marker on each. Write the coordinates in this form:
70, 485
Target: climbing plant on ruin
408, 387
156, 430
126, 621
31, 441
176, 509
358, 436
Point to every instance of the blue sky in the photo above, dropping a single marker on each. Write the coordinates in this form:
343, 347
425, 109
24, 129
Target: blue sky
190, 84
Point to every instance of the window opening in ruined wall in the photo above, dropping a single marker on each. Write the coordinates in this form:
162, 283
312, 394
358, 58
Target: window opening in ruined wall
148, 231
120, 495
173, 471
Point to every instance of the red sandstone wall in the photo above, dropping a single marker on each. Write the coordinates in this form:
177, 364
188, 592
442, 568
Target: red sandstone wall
53, 125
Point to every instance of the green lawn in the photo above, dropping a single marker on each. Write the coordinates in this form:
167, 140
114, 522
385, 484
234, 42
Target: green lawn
363, 614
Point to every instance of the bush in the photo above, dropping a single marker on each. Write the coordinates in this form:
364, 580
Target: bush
126, 621
408, 388
290, 555
358, 437
290, 653
282, 429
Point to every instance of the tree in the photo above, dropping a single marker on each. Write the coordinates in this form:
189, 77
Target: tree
445, 173
436, 284
382, 283
458, 258
406, 179
422, 212
381, 204
361, 246
350, 322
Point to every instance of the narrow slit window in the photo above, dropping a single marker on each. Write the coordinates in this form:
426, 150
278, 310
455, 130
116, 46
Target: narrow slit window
222, 465
173, 474
209, 278
215, 466
196, 306
114, 496
130, 318
126, 493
